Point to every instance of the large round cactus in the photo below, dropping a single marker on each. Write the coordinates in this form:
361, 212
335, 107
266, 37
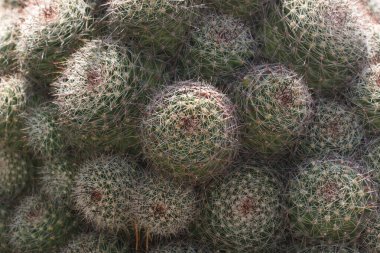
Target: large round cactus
100, 93
218, 46
243, 212
245, 9
162, 207
8, 37
336, 129
330, 200
51, 31
366, 94
40, 226
276, 107
321, 39
103, 189
160, 25
180, 247
190, 130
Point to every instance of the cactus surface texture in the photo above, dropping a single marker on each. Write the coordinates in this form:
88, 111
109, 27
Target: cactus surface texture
372, 158
246, 9
8, 36
180, 247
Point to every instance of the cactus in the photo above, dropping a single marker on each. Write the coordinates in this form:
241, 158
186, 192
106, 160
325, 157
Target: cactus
366, 95
13, 3
40, 226
374, 6
335, 130
4, 214
93, 243
277, 108
330, 200
323, 40
180, 247
190, 130
328, 249
162, 207
160, 25
372, 158
245, 9
15, 172
102, 191
100, 92
219, 45
9, 33
52, 30
243, 212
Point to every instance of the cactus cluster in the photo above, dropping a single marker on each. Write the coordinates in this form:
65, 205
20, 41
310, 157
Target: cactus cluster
190, 130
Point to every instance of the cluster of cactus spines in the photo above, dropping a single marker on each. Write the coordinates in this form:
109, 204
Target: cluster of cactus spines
93, 243
102, 191
51, 31
370, 238
15, 172
321, 39
335, 129
4, 216
100, 92
160, 26
246, 9
180, 247
163, 207
327, 249
190, 130
374, 6
13, 3
372, 158
8, 38
330, 200
43, 133
244, 211
276, 106
40, 226
365, 93
219, 44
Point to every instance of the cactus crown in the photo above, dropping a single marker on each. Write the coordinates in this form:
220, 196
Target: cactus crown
329, 200
190, 129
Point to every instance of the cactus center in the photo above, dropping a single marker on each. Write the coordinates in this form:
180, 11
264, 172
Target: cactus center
49, 14
35, 215
94, 78
96, 196
189, 124
329, 191
246, 206
285, 96
333, 129
159, 209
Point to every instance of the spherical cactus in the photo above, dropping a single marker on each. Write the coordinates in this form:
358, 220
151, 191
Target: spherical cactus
94, 243
190, 130
8, 38
372, 158
246, 9
366, 95
51, 31
160, 25
323, 41
335, 129
219, 45
180, 247
277, 108
15, 172
40, 226
330, 200
43, 131
162, 207
102, 190
243, 212
100, 93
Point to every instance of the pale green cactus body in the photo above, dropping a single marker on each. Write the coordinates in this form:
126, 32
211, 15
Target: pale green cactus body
276, 106
102, 191
40, 226
190, 130
330, 200
245, 9
180, 247
8, 36
243, 212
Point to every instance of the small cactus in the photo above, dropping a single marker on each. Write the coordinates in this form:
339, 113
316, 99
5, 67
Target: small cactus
103, 189
323, 40
245, 9
330, 200
335, 130
190, 130
162, 207
40, 226
219, 45
243, 212
276, 106
51, 31
180, 247
372, 158
8, 36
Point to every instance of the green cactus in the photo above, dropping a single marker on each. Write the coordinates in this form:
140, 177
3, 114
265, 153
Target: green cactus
52, 30
15, 172
330, 200
9, 32
245, 9
219, 45
4, 215
102, 191
159, 25
276, 106
94, 243
162, 207
366, 95
243, 212
180, 247
372, 158
100, 93
40, 226
335, 130
190, 130
323, 40
327, 249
